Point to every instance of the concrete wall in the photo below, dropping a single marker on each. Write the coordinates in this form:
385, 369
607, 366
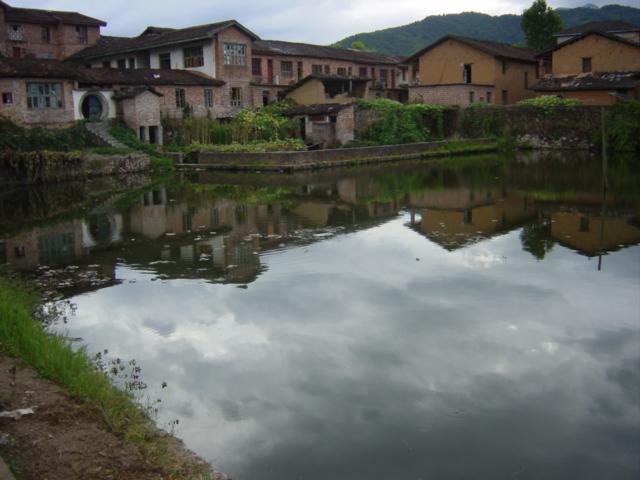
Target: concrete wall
324, 158
606, 56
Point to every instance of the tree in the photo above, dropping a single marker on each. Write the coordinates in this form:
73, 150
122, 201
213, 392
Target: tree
536, 239
359, 45
539, 23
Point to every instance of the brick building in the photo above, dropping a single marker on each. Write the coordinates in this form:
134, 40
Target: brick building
460, 71
53, 93
26, 32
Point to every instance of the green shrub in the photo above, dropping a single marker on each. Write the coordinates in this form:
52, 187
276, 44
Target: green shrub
623, 126
549, 104
287, 145
482, 119
399, 123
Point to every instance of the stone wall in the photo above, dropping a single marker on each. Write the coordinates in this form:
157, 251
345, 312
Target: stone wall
458, 95
52, 167
563, 127
20, 113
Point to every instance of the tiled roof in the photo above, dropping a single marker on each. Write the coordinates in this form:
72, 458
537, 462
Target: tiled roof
38, 68
51, 17
325, 78
276, 47
588, 81
156, 37
605, 26
317, 109
134, 92
497, 49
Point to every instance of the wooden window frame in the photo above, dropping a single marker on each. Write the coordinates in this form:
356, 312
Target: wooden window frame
165, 56
587, 64
316, 69
256, 67
236, 97
82, 33
208, 97
45, 34
286, 69
7, 98
193, 57
181, 98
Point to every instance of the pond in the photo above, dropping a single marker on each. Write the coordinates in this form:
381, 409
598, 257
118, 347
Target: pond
465, 318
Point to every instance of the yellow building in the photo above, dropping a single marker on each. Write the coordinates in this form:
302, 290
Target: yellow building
595, 67
460, 71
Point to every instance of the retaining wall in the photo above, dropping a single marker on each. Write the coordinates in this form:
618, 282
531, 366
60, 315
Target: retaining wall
51, 167
330, 158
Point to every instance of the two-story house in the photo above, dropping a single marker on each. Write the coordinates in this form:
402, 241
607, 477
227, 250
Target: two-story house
45, 33
459, 71
595, 66
276, 65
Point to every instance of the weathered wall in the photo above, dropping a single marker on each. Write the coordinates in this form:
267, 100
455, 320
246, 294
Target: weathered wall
326, 158
51, 167
443, 64
515, 80
606, 56
194, 96
19, 113
453, 95
236, 76
563, 128
312, 92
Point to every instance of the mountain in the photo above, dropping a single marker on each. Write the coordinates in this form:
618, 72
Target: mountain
408, 39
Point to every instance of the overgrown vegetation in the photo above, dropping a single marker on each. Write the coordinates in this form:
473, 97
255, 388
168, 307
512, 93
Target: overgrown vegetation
249, 126
549, 104
482, 119
22, 337
623, 126
288, 145
20, 139
401, 123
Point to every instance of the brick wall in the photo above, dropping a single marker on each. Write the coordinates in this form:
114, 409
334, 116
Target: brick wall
457, 95
3, 34
63, 41
235, 76
141, 111
195, 97
18, 111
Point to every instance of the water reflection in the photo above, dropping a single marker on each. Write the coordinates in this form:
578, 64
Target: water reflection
411, 321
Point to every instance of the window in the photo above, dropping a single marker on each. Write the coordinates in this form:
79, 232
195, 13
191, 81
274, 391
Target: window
165, 61
342, 71
265, 98
384, 77
466, 73
132, 63
256, 66
299, 70
15, 33
404, 74
106, 64
20, 252
235, 54
286, 68
45, 34
44, 95
362, 72
327, 69
526, 79
181, 100
472, 97
316, 69
193, 57
489, 97
504, 67
586, 64
122, 63
7, 98
208, 98
505, 97
467, 217
584, 224
82, 32
236, 97
350, 72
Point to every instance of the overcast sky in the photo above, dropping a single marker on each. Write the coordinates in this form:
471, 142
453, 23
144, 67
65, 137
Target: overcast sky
314, 21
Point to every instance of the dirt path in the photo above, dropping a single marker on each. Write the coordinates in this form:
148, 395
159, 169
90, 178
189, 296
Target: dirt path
64, 439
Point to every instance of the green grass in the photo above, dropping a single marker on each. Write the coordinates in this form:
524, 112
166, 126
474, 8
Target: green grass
130, 139
111, 150
76, 372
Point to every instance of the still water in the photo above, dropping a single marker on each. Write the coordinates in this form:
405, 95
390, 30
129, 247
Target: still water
474, 318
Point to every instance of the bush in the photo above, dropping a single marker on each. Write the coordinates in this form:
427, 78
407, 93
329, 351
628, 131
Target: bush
399, 123
548, 103
20, 139
288, 145
623, 126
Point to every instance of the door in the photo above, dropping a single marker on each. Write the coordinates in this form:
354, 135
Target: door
270, 71
17, 52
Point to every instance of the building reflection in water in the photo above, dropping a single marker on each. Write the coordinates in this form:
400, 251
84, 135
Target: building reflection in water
218, 232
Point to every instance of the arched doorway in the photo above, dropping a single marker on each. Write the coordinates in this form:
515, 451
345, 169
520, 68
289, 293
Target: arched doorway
93, 107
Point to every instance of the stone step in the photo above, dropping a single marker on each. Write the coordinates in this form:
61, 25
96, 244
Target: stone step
101, 131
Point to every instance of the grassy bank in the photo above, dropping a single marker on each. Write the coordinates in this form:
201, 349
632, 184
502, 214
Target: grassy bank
52, 357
